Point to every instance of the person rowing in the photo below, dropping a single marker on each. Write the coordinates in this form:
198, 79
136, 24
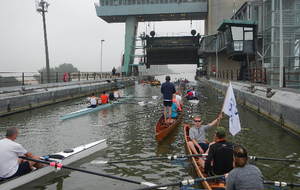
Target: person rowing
10, 164
93, 101
104, 98
220, 154
244, 176
198, 143
111, 96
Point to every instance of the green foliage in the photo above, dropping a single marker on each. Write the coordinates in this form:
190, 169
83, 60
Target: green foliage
56, 73
66, 67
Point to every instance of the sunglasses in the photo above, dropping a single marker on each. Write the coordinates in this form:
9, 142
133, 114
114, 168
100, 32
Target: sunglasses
197, 120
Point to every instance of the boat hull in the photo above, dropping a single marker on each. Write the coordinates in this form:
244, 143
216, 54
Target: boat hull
78, 154
198, 168
162, 130
89, 110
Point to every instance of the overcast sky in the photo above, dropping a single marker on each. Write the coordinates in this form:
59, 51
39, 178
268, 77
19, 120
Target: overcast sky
74, 35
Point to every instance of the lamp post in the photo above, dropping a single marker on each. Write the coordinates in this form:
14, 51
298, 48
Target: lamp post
101, 55
42, 7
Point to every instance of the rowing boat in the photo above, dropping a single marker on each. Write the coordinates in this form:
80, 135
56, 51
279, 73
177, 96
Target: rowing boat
66, 157
162, 129
210, 185
89, 110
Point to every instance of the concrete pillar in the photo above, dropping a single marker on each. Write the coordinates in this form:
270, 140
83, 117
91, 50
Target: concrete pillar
130, 35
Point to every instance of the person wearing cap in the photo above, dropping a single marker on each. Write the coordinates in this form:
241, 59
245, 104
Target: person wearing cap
198, 143
167, 89
220, 155
244, 176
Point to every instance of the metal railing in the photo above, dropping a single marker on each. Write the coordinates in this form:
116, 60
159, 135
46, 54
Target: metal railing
268, 75
8, 79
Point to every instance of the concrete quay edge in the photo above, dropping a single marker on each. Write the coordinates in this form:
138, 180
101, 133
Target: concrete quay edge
283, 107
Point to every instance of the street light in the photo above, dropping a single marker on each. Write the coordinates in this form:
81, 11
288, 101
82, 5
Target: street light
101, 56
42, 7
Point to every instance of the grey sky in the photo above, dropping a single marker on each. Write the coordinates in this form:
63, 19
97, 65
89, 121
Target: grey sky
74, 34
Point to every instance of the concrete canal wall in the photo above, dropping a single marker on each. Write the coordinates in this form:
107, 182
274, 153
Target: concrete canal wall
283, 107
37, 97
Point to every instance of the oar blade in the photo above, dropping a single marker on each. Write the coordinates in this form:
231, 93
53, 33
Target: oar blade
149, 184
99, 162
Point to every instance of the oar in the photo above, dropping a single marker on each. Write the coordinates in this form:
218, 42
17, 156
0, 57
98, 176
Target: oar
184, 182
281, 184
59, 166
171, 157
255, 158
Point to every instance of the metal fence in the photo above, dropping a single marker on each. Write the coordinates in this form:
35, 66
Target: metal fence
33, 78
291, 75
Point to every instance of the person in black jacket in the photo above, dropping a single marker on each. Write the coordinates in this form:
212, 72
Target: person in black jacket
220, 155
167, 89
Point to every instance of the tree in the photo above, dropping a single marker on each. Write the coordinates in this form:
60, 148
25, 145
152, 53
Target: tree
57, 73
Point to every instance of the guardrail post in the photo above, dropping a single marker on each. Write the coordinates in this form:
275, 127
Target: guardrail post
284, 81
23, 79
265, 76
94, 76
87, 76
56, 76
41, 77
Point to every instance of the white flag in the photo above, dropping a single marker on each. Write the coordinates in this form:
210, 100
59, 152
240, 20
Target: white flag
230, 109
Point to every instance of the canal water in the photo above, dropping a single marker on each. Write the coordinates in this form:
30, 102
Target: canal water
42, 132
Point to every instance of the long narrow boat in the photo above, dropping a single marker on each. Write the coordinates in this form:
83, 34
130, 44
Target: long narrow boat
210, 185
162, 129
89, 110
65, 157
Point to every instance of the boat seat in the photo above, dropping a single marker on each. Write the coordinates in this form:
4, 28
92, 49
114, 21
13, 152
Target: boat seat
69, 150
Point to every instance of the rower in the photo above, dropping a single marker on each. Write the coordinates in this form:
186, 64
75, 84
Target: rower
111, 96
104, 98
117, 94
10, 164
174, 107
220, 155
198, 143
93, 101
243, 176
179, 101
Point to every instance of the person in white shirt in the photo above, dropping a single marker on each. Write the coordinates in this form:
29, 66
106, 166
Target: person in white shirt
179, 101
93, 101
10, 164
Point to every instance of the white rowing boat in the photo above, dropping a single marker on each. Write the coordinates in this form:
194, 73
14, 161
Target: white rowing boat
65, 157
89, 110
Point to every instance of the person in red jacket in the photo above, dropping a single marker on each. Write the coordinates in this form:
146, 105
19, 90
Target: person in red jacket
104, 98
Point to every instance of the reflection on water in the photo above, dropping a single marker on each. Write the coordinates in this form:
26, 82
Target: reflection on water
42, 132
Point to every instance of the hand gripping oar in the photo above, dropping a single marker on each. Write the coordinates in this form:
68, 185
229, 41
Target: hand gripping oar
60, 165
255, 158
281, 184
184, 182
172, 157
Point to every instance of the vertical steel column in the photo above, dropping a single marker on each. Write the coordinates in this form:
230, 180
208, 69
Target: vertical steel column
130, 35
272, 42
281, 73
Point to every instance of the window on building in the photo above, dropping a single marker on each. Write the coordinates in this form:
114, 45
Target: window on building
238, 45
237, 33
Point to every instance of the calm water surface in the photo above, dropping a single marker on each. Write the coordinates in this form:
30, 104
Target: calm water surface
42, 132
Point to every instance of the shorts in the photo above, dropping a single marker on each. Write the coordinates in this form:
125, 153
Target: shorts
24, 168
204, 146
168, 103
